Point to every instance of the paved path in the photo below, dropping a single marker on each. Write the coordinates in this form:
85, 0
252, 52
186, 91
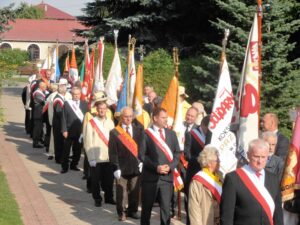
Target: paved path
45, 196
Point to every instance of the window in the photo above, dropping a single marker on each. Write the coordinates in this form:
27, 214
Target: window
34, 52
5, 46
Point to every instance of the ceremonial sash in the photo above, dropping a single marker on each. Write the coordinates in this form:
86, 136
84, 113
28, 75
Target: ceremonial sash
128, 141
45, 108
58, 101
198, 137
178, 183
38, 92
183, 161
104, 136
259, 192
76, 110
32, 86
213, 185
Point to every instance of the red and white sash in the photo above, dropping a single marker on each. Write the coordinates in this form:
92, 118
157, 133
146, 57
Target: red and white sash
38, 92
214, 186
198, 137
258, 190
58, 101
178, 183
76, 110
103, 135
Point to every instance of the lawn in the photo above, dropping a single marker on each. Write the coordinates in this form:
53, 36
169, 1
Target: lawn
9, 211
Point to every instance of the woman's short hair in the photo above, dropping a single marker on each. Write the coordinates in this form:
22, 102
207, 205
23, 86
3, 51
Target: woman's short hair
208, 154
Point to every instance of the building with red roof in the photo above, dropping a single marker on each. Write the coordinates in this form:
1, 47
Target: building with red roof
40, 36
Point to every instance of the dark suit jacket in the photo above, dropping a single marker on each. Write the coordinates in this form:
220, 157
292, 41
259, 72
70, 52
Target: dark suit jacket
70, 122
120, 156
275, 165
57, 112
239, 207
282, 146
38, 104
152, 157
148, 107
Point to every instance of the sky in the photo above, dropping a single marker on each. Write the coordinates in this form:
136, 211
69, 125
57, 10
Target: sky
72, 7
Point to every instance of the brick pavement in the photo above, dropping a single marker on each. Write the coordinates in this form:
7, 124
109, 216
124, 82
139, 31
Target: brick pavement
43, 194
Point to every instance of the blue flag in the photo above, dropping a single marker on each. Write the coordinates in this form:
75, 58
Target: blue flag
57, 70
123, 96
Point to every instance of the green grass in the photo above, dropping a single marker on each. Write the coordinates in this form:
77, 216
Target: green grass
9, 211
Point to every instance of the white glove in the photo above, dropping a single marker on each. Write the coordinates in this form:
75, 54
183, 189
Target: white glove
93, 163
140, 167
80, 138
117, 174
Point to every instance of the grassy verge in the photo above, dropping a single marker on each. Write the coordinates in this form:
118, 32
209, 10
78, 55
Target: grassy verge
9, 211
14, 81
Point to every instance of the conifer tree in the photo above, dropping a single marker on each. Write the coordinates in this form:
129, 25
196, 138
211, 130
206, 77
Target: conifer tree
280, 70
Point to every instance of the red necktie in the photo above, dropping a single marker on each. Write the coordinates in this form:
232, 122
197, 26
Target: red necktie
127, 131
161, 134
258, 174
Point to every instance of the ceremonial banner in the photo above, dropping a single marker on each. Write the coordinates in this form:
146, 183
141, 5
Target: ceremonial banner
114, 80
46, 65
138, 100
98, 78
88, 75
123, 96
73, 72
67, 64
291, 176
247, 106
131, 76
220, 119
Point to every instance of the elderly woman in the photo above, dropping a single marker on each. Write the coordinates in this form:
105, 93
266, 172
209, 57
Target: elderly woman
205, 190
275, 164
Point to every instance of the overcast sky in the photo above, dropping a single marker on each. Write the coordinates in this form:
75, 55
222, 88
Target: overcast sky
72, 7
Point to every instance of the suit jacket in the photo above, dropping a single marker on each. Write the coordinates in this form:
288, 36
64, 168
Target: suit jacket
38, 104
152, 157
148, 107
239, 207
282, 146
275, 165
58, 109
121, 158
70, 122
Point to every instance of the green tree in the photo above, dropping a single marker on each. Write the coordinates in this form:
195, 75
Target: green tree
6, 14
25, 11
280, 69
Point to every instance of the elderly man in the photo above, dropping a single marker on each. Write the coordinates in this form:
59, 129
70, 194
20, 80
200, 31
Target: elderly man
125, 143
275, 164
96, 139
270, 123
160, 159
39, 99
251, 194
71, 127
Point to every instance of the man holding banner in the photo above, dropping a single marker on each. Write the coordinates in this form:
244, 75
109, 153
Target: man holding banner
160, 159
251, 194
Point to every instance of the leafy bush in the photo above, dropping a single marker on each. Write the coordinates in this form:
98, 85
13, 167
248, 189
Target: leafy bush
10, 60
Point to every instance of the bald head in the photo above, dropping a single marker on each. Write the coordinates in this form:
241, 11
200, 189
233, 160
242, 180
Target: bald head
126, 115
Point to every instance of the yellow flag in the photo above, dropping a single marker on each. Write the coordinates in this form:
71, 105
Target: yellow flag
138, 100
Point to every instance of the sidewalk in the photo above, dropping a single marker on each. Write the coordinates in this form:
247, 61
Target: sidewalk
44, 195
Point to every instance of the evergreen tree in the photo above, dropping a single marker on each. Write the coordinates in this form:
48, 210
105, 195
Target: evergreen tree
280, 70
155, 23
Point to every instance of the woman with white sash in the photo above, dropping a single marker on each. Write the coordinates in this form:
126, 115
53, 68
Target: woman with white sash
205, 190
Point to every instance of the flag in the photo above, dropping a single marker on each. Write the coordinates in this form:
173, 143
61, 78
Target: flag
114, 80
291, 176
247, 107
138, 100
220, 119
122, 102
132, 76
55, 65
67, 63
82, 70
170, 100
87, 83
98, 80
46, 66
73, 72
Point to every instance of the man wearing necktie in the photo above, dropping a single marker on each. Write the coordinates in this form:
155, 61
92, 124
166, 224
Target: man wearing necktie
251, 194
160, 157
71, 127
125, 142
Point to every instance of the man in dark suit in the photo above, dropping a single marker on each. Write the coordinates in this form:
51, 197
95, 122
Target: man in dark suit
274, 164
160, 159
270, 123
251, 194
125, 142
71, 127
39, 99
148, 107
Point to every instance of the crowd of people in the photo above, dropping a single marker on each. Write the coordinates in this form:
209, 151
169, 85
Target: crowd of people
141, 162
